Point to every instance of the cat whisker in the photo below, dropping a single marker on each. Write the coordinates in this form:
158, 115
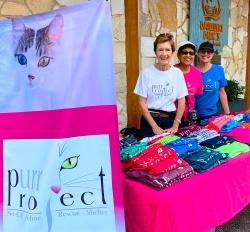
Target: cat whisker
85, 187
78, 178
68, 184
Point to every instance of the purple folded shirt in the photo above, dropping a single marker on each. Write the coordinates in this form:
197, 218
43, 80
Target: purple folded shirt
162, 180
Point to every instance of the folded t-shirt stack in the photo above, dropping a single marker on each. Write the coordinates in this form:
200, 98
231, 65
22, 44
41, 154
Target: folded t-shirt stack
245, 120
142, 156
157, 161
204, 158
164, 140
203, 134
131, 151
151, 140
240, 134
182, 145
162, 180
219, 122
233, 149
229, 126
185, 131
217, 141
128, 141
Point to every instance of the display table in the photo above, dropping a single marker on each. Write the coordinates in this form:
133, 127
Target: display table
198, 204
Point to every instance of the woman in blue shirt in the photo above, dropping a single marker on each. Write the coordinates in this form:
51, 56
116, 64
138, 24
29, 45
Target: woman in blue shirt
214, 81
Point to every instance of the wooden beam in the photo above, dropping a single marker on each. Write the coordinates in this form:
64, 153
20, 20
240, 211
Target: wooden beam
132, 60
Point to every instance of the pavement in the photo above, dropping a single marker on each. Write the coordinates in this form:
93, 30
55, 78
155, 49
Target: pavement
239, 223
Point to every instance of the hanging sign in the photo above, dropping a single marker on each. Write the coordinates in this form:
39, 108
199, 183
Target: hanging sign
209, 22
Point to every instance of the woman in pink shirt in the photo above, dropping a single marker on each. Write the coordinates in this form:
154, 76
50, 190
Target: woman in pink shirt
192, 75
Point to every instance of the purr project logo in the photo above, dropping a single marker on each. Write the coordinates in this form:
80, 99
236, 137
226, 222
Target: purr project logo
58, 185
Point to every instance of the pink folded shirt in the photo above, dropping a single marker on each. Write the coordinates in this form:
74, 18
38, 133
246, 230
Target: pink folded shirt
219, 122
240, 134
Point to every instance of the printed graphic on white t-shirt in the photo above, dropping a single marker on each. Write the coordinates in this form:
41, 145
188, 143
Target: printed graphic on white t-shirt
162, 91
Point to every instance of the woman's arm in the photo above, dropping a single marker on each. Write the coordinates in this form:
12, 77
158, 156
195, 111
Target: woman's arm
224, 101
145, 112
179, 113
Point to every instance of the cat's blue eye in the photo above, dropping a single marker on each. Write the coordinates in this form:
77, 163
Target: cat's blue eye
70, 163
44, 61
22, 59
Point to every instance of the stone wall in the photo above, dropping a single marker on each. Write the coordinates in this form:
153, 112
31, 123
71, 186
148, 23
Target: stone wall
155, 16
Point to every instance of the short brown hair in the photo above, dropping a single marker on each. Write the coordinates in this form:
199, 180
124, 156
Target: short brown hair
165, 37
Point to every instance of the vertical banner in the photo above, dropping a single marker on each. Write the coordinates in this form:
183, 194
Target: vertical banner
209, 22
58, 122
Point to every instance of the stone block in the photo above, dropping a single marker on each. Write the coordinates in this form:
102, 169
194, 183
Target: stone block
117, 7
147, 47
119, 52
14, 9
37, 7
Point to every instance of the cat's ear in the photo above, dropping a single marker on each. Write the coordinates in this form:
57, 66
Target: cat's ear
18, 29
54, 30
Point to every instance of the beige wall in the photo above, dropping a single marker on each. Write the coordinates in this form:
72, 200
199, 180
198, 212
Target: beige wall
155, 16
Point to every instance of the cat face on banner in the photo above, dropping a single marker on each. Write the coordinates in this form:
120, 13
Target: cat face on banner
35, 50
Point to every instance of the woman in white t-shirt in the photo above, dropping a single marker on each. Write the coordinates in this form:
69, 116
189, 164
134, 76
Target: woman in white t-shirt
158, 87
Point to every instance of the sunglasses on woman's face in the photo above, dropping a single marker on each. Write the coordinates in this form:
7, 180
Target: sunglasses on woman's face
186, 52
203, 51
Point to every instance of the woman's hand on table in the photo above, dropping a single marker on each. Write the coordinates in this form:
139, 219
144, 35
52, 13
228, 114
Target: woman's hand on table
157, 130
172, 130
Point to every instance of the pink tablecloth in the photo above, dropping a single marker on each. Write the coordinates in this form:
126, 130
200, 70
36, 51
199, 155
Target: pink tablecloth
198, 204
